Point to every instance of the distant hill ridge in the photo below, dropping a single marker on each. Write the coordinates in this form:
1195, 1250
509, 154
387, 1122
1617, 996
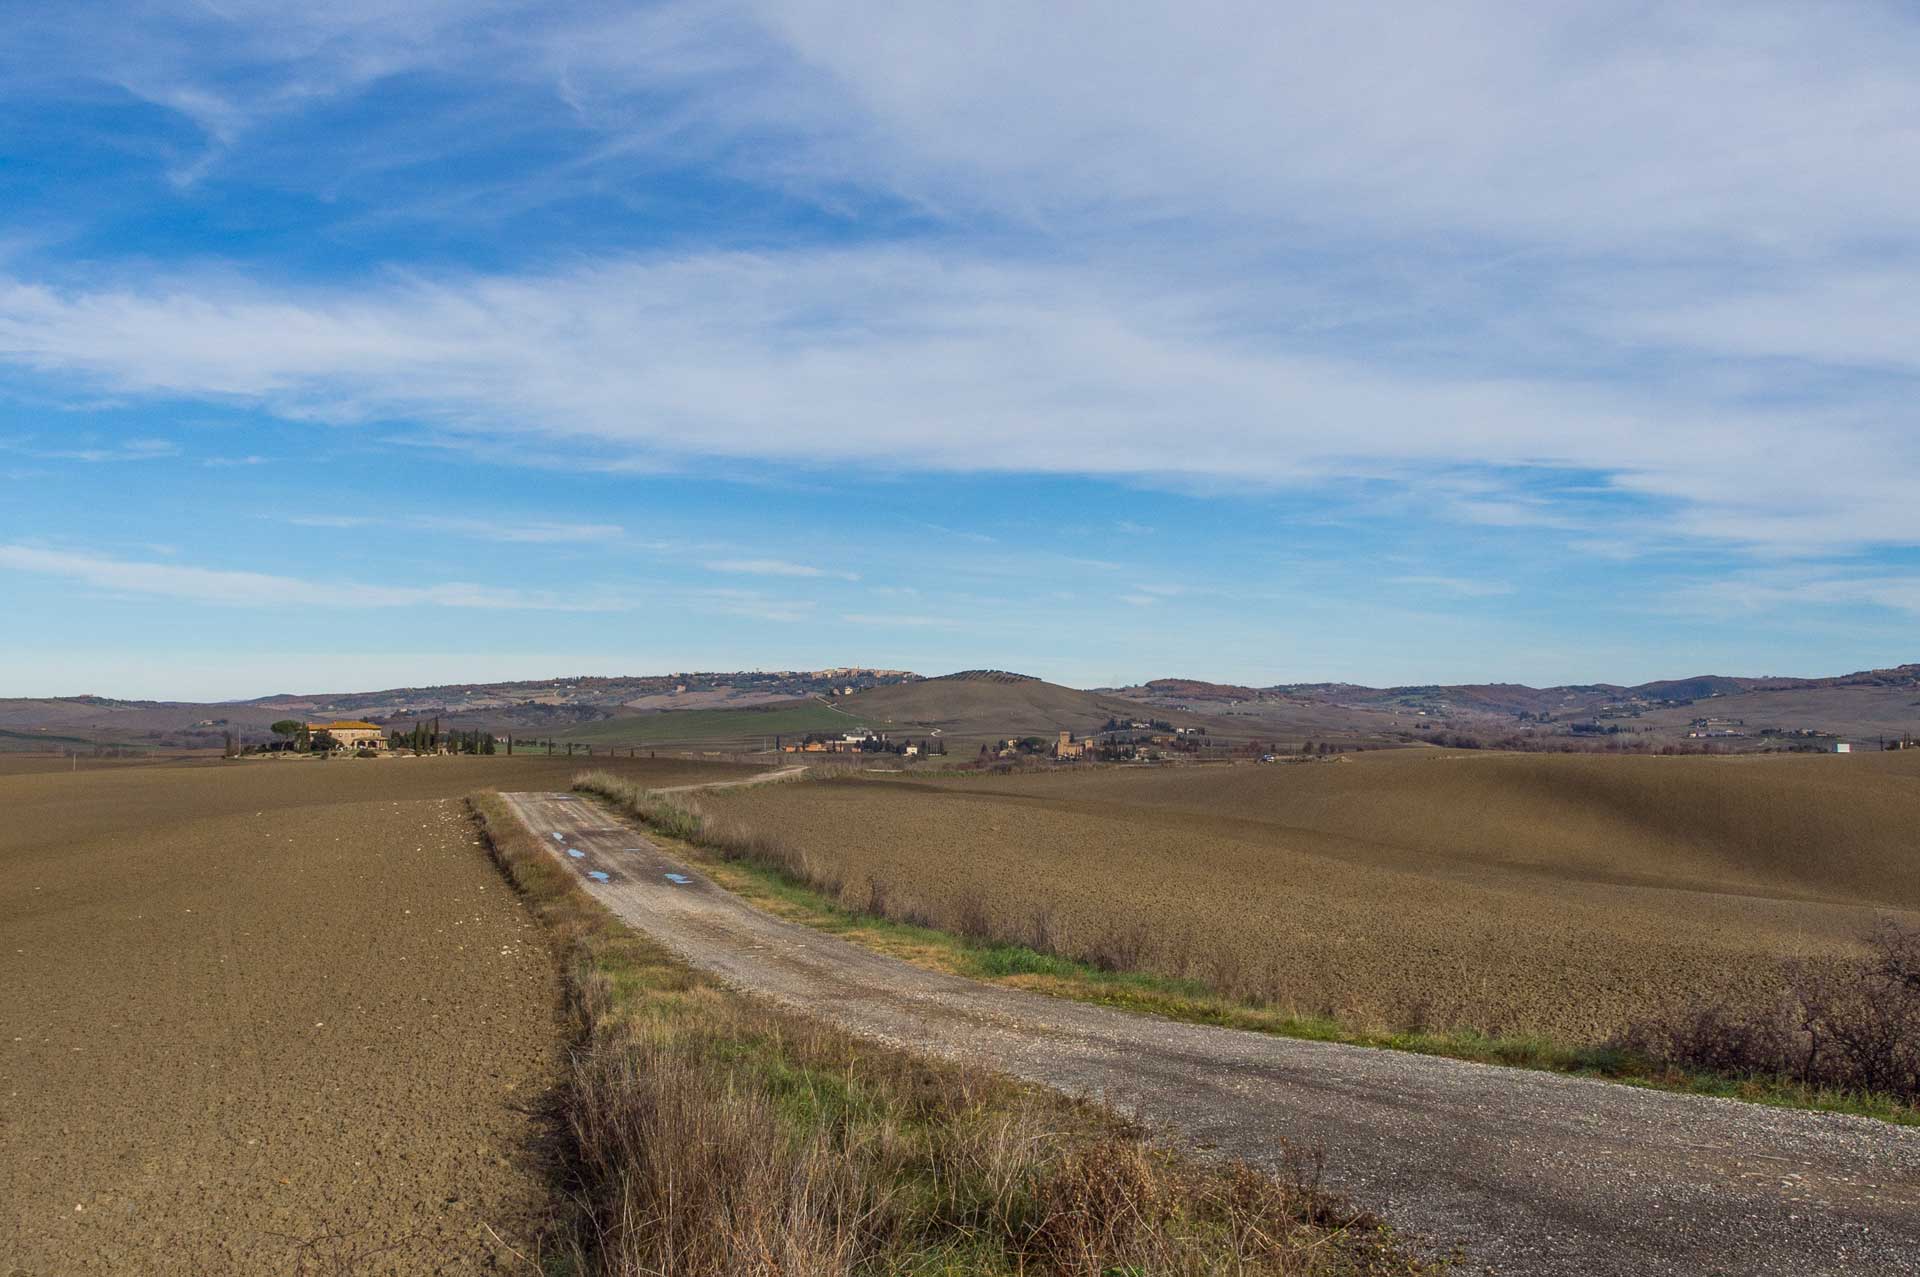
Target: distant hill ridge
1866, 704
985, 676
1698, 687
991, 703
1734, 712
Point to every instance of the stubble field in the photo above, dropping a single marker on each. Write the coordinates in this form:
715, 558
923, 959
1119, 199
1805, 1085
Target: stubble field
270, 1017
1556, 894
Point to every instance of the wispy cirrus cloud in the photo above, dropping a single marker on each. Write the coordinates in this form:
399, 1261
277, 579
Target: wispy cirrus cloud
125, 451
1836, 587
510, 530
264, 590
754, 605
709, 358
904, 620
1460, 586
1720, 125
777, 567
507, 530
1521, 245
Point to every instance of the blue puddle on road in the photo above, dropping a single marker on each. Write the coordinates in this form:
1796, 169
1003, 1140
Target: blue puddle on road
559, 837
679, 878
598, 875
577, 855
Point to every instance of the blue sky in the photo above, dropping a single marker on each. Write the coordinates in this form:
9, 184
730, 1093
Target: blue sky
350, 344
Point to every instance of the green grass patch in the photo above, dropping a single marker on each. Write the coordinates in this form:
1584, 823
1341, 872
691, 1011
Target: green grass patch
47, 740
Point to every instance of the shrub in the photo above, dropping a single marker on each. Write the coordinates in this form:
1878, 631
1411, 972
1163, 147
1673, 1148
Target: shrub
1861, 1020
1850, 1024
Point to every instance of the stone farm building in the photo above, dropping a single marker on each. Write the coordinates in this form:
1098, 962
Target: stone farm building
351, 733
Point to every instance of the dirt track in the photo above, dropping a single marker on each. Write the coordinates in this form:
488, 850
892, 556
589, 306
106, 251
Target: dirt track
1529, 1172
745, 782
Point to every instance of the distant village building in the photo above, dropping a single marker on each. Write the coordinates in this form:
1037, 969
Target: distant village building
1069, 747
1843, 747
351, 733
853, 742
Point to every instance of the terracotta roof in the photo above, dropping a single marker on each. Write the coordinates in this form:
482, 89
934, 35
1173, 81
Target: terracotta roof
344, 725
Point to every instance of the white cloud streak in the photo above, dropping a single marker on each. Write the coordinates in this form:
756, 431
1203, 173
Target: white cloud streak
904, 358
754, 605
129, 450
1761, 124
908, 621
511, 531
1834, 589
260, 590
776, 567
1465, 587
504, 531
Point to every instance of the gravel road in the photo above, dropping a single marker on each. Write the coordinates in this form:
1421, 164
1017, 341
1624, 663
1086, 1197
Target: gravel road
1524, 1172
758, 778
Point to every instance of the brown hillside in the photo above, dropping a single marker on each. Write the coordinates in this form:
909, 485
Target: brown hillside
1563, 893
990, 703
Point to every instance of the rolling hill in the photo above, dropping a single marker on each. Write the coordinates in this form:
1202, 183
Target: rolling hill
968, 707
1512, 892
751, 727
548, 707
985, 704
1740, 713
741, 708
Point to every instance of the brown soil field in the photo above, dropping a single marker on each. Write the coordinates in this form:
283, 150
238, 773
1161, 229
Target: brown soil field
271, 1017
1562, 894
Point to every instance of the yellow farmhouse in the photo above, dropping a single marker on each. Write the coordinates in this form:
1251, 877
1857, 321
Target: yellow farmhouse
351, 734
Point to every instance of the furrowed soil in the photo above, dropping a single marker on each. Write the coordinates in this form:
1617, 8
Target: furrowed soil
1564, 895
271, 1017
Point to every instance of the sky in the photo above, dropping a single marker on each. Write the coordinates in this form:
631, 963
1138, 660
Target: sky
349, 345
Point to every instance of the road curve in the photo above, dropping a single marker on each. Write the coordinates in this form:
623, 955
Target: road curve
1525, 1172
758, 778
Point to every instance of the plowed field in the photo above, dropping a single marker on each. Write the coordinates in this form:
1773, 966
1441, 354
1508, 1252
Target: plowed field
270, 1017
1510, 892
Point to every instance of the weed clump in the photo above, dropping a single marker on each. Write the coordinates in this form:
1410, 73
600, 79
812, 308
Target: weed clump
1843, 1025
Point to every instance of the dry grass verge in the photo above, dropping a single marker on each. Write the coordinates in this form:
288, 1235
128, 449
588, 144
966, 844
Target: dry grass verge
716, 1134
1692, 1050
